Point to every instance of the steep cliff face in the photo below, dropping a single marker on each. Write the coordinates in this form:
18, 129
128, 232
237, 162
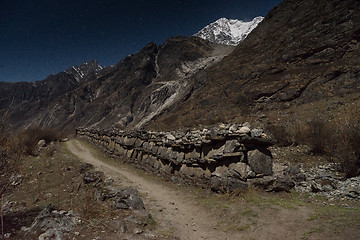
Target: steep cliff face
129, 94
302, 52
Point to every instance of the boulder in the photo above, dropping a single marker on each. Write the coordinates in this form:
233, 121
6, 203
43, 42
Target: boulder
216, 153
260, 162
192, 171
236, 185
52, 224
263, 183
191, 156
225, 185
282, 183
221, 172
242, 169
128, 198
230, 146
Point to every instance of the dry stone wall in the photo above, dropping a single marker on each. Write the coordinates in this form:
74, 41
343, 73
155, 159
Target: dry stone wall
227, 157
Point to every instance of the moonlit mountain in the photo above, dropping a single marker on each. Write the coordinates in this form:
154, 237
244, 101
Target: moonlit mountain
228, 31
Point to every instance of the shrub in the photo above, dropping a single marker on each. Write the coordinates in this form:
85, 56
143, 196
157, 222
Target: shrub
339, 139
29, 138
347, 149
319, 136
281, 135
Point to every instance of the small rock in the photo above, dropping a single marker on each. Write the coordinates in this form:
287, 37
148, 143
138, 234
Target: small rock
352, 195
138, 231
251, 174
16, 179
243, 130
93, 176
41, 143
233, 128
108, 180
246, 125
170, 137
353, 189
315, 187
256, 132
150, 235
24, 229
85, 167
7, 235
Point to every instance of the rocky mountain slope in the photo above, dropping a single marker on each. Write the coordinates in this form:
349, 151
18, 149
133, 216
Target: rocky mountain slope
228, 31
302, 53
128, 94
22, 100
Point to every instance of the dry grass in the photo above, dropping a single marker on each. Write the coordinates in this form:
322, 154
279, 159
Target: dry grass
15, 145
337, 138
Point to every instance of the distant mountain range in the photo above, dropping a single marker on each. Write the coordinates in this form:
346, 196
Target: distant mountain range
228, 31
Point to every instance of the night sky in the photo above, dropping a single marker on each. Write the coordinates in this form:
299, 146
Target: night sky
41, 37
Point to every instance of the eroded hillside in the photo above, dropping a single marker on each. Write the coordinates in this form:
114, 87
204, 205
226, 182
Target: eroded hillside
303, 52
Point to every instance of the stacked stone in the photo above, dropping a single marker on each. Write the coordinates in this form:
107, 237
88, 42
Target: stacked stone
227, 156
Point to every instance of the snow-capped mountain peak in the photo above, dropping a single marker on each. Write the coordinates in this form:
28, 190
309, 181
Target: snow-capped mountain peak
84, 70
228, 31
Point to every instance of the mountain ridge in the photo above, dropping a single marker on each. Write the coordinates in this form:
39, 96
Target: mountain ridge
303, 52
128, 94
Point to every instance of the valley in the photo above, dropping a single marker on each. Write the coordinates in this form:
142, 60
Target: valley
245, 130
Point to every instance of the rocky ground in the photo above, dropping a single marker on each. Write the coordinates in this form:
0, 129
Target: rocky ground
316, 175
57, 196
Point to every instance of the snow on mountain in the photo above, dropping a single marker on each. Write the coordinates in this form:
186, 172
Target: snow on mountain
84, 70
228, 31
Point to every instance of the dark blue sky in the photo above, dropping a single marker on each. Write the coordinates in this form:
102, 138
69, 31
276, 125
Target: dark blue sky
41, 37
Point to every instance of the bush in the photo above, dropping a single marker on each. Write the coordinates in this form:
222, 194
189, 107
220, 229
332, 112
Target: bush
347, 149
9, 156
339, 139
281, 135
29, 138
16, 145
290, 134
319, 136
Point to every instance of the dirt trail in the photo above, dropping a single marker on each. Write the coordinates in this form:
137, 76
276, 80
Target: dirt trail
184, 217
